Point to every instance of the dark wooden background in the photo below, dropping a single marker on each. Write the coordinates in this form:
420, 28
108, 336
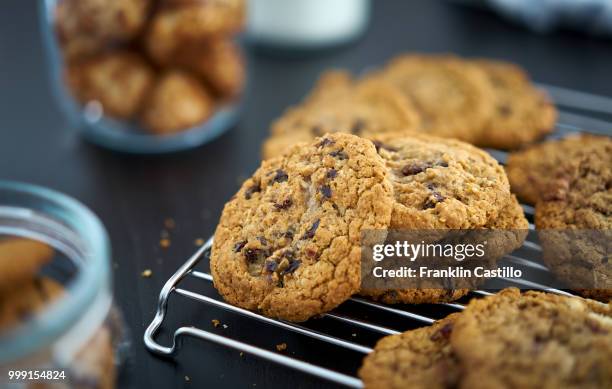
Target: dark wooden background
133, 194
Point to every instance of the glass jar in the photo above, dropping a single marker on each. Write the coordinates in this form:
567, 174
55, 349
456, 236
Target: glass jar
76, 337
113, 114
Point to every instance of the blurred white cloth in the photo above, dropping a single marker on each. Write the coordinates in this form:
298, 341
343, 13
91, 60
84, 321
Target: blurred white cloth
593, 16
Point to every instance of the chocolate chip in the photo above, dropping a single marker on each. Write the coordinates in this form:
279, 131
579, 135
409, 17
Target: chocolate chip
443, 164
238, 246
284, 205
358, 126
504, 110
281, 176
253, 189
379, 145
326, 142
262, 240
326, 191
252, 255
331, 174
341, 155
310, 233
437, 198
443, 333
293, 265
605, 260
414, 168
270, 266
289, 234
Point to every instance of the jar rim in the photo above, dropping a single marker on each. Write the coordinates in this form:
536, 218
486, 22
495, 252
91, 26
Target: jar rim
91, 279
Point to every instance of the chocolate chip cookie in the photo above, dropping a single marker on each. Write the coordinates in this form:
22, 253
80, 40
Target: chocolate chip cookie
20, 260
84, 27
530, 170
177, 23
533, 340
574, 221
119, 81
421, 358
522, 114
453, 97
505, 234
441, 183
26, 300
288, 243
219, 63
177, 101
362, 108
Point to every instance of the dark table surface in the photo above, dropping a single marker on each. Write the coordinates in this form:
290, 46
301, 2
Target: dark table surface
133, 195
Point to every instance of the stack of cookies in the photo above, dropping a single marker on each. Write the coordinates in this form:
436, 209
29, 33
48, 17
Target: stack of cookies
24, 293
570, 183
507, 340
483, 102
167, 64
288, 243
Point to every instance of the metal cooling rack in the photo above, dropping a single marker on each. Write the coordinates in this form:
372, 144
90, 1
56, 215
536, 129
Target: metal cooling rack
578, 112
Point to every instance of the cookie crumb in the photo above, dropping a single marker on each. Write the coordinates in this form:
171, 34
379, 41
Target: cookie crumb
216, 323
169, 223
354, 335
225, 326
187, 378
164, 243
281, 346
198, 242
241, 354
147, 273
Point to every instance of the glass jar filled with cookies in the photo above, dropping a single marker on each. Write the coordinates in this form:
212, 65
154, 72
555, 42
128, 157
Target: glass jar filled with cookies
58, 325
147, 75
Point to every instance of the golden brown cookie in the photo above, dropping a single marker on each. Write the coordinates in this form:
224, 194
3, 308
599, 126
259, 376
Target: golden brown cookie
178, 23
21, 302
177, 101
84, 27
288, 243
362, 108
523, 113
219, 63
574, 221
441, 183
533, 340
452, 97
421, 358
530, 170
119, 81
509, 230
20, 260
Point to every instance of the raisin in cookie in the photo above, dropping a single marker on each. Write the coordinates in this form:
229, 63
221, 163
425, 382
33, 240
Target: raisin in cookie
288, 243
441, 183
533, 340
529, 170
574, 221
421, 358
362, 108
21, 259
453, 97
119, 81
523, 113
177, 23
177, 101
